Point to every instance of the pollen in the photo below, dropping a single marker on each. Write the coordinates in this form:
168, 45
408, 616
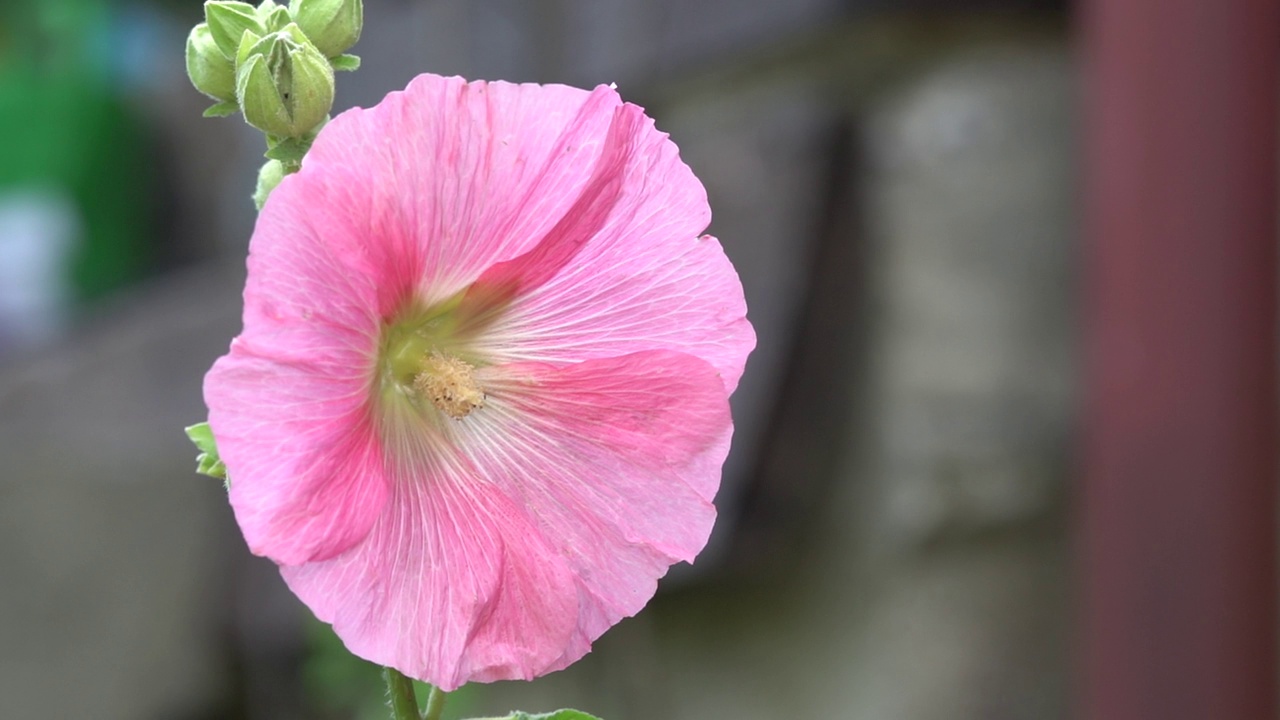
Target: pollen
450, 384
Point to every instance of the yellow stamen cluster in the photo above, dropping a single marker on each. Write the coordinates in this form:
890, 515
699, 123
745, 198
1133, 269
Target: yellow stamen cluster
450, 384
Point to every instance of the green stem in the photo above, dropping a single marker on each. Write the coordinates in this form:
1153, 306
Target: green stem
404, 705
435, 704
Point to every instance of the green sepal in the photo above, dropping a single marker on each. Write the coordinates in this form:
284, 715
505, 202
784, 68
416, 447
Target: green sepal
222, 109
228, 21
212, 467
207, 462
289, 151
345, 63
202, 435
276, 19
248, 40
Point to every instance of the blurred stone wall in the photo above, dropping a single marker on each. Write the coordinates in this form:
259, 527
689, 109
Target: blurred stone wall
895, 192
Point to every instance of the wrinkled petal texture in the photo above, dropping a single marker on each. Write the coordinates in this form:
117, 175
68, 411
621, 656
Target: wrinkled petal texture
499, 545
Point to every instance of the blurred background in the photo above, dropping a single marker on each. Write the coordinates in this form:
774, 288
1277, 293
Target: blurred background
897, 184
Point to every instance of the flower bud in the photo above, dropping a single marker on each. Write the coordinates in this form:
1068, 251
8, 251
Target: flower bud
269, 176
210, 71
333, 25
283, 84
227, 22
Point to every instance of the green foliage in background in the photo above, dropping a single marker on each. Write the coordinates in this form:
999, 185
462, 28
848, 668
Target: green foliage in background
63, 126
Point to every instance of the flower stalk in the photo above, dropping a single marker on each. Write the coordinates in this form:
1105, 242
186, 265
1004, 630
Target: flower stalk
435, 704
404, 704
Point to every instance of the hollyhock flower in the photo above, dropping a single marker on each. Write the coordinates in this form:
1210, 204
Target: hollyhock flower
479, 404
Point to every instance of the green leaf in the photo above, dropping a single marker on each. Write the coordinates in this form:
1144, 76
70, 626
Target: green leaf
222, 109
345, 63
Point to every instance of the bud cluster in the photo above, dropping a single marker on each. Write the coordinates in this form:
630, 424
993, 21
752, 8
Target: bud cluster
274, 63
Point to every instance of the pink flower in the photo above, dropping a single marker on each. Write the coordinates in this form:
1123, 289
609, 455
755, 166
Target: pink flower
480, 402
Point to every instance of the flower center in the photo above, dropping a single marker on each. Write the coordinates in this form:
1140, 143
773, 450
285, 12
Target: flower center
425, 361
450, 384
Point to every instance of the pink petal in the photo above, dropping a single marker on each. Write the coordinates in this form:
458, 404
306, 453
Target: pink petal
646, 281
453, 584
289, 404
583, 221
451, 177
306, 469
618, 459
569, 494
310, 297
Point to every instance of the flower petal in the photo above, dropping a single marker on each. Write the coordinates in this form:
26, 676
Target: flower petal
451, 585
304, 465
616, 459
498, 285
547, 516
452, 177
646, 281
288, 404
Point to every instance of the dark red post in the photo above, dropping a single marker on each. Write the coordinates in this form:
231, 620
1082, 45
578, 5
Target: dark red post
1178, 512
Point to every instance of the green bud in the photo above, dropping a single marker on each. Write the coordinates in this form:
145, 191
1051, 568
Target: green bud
268, 178
283, 84
210, 71
333, 25
228, 21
